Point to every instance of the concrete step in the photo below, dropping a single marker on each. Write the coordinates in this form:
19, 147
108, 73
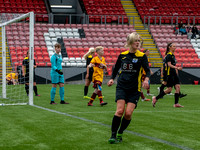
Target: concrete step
148, 42
144, 34
128, 6
152, 51
150, 45
154, 55
131, 10
144, 31
132, 13
157, 64
139, 27
155, 59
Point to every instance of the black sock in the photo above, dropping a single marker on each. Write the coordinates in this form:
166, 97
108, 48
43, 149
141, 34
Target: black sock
162, 88
27, 89
160, 95
35, 90
176, 96
124, 125
85, 90
115, 125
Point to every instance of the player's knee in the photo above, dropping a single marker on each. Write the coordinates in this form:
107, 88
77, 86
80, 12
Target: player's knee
119, 112
177, 87
128, 116
168, 90
95, 90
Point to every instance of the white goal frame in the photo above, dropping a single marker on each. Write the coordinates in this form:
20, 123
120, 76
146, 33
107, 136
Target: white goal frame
31, 55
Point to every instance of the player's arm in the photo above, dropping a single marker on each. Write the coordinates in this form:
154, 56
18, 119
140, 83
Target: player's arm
161, 71
172, 66
145, 65
92, 63
23, 70
34, 64
115, 71
168, 60
53, 63
104, 65
14, 81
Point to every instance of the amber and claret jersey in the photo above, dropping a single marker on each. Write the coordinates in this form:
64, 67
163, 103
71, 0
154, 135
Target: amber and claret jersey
12, 76
131, 66
98, 70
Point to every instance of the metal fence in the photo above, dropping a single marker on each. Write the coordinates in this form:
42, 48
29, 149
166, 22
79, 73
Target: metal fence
172, 20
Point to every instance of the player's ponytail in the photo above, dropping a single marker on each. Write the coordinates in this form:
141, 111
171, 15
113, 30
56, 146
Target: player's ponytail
168, 46
90, 51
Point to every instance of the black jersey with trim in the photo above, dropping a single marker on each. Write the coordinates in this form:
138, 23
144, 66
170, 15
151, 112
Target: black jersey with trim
170, 58
26, 64
164, 67
131, 66
89, 58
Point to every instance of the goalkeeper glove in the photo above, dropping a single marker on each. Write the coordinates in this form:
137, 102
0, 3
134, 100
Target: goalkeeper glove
59, 71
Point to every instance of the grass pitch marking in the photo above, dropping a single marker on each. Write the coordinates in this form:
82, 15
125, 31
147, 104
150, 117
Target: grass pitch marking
131, 132
146, 111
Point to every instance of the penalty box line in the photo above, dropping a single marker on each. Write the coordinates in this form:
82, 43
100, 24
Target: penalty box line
131, 132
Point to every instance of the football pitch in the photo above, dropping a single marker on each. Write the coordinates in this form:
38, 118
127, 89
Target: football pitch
77, 126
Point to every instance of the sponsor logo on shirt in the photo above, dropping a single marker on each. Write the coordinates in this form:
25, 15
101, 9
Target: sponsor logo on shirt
135, 60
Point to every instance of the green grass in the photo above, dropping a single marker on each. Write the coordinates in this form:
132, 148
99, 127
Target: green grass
28, 127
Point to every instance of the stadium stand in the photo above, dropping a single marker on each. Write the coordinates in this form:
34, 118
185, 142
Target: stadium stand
169, 10
149, 44
185, 53
25, 6
109, 35
105, 8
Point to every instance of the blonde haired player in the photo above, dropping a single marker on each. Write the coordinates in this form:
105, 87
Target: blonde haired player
98, 63
131, 63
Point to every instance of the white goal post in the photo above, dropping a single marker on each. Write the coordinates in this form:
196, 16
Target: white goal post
4, 97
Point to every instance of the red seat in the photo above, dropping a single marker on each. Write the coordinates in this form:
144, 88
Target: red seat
40, 59
41, 64
46, 59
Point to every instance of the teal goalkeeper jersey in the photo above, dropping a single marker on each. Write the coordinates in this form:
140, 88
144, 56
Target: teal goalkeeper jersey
56, 61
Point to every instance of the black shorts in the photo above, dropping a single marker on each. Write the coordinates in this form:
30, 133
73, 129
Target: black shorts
128, 95
26, 78
172, 80
165, 77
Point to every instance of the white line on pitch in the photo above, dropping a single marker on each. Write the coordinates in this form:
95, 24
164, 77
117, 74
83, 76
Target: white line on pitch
146, 111
131, 132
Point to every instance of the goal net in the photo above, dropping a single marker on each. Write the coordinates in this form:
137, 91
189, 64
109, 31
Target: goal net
16, 58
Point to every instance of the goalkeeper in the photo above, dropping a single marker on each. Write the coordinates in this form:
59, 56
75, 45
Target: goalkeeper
57, 76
